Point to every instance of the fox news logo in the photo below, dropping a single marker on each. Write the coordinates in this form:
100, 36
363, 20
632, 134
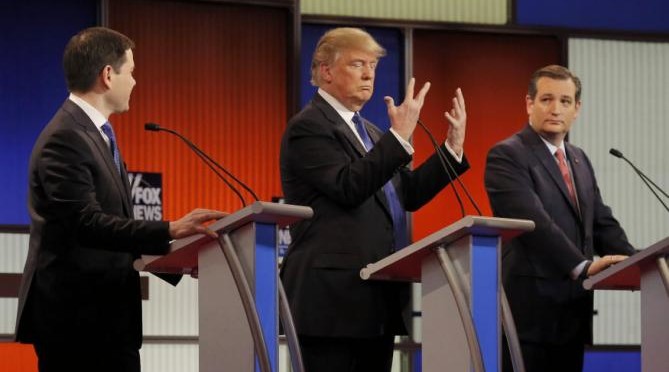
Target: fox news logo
283, 232
147, 195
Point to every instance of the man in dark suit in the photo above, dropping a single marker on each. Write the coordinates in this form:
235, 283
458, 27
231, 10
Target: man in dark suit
343, 166
80, 302
529, 176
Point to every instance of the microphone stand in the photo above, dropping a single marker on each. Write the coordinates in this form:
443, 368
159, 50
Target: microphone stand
448, 168
643, 177
211, 163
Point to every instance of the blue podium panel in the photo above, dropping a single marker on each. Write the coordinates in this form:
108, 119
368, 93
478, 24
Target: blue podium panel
485, 298
266, 289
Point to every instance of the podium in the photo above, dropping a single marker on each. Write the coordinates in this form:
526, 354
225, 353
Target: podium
227, 338
459, 267
647, 271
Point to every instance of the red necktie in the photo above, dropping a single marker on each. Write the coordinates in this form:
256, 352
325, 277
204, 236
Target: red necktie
564, 170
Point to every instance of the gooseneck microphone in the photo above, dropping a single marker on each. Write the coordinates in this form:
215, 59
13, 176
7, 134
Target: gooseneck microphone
211, 163
448, 168
643, 177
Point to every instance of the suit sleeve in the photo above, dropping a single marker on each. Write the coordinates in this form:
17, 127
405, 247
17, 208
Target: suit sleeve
511, 193
425, 182
70, 183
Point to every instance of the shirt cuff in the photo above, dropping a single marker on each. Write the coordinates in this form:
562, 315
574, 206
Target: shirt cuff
407, 146
457, 157
581, 270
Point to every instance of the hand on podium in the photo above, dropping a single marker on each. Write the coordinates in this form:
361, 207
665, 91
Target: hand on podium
194, 223
604, 263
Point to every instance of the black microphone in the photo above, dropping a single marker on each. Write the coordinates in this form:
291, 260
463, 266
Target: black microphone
207, 160
643, 177
448, 168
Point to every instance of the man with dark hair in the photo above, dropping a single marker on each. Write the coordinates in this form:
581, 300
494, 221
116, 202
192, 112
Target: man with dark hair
536, 175
356, 179
80, 302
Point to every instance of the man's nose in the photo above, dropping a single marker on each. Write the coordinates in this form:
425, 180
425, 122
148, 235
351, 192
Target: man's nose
367, 72
555, 108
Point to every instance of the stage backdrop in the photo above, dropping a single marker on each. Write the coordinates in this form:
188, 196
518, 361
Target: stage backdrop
494, 83
202, 71
32, 86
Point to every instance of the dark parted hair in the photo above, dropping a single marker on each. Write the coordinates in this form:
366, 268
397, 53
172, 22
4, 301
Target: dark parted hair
89, 51
556, 72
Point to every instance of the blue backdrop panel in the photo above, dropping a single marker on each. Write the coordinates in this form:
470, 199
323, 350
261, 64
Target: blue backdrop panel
389, 79
622, 15
32, 86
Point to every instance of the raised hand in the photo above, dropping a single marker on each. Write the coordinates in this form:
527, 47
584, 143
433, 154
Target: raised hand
193, 223
457, 119
403, 118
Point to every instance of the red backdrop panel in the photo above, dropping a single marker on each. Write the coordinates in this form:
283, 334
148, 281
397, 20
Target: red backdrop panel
15, 357
493, 71
216, 73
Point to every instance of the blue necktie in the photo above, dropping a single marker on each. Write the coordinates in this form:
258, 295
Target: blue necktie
109, 132
396, 210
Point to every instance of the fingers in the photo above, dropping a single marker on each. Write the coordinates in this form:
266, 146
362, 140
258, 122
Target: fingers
209, 232
460, 99
390, 102
194, 223
616, 258
458, 112
422, 93
409, 95
199, 216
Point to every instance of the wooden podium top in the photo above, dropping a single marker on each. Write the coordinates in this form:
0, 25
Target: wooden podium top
626, 275
406, 263
183, 255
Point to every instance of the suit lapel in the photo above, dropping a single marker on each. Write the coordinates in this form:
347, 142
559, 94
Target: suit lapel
339, 125
539, 149
582, 179
345, 130
126, 187
120, 180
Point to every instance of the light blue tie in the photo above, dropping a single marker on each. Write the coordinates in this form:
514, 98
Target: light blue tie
109, 132
396, 210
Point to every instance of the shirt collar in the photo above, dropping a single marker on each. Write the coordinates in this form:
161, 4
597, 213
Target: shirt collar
551, 147
96, 116
345, 113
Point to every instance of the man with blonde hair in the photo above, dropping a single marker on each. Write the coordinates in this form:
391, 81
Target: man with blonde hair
357, 180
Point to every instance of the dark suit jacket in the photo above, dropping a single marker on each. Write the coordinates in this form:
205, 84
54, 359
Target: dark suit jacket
523, 180
325, 167
78, 283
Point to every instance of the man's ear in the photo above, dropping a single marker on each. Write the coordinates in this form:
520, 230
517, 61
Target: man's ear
578, 109
105, 76
528, 104
326, 74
